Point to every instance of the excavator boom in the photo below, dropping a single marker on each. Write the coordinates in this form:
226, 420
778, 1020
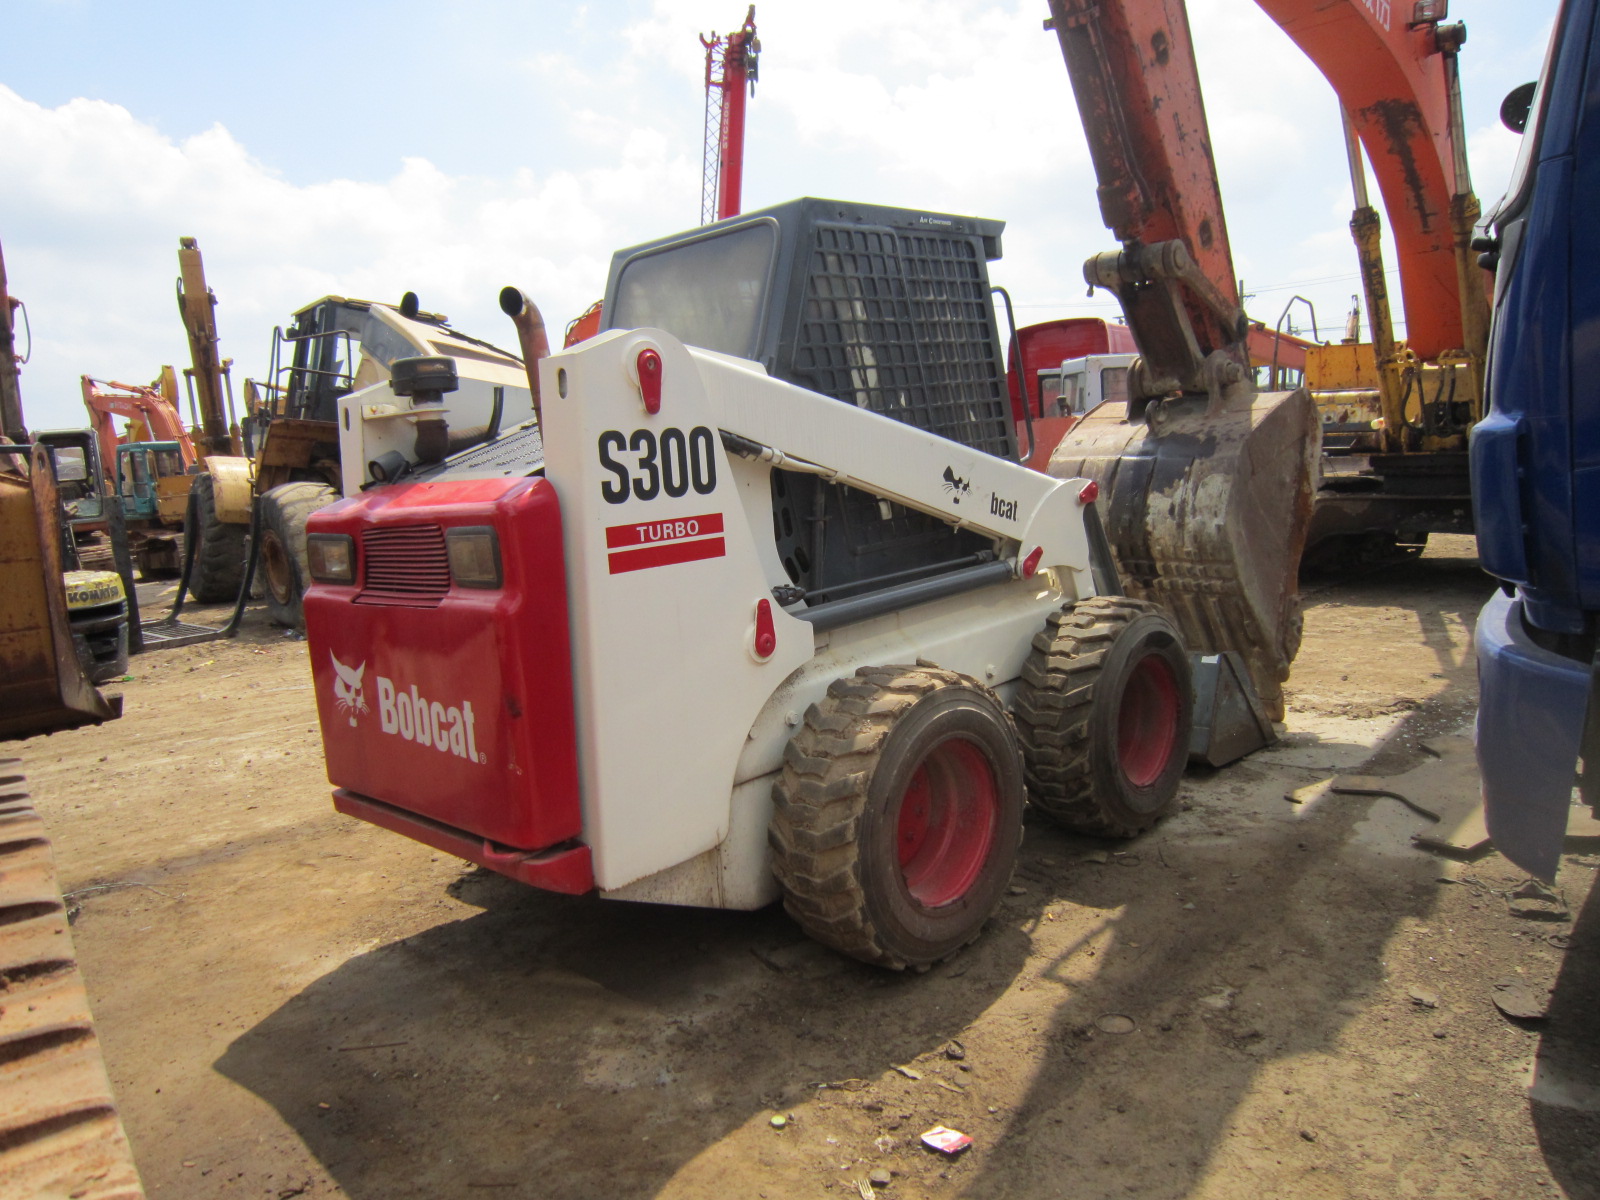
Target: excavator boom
196, 304
1392, 67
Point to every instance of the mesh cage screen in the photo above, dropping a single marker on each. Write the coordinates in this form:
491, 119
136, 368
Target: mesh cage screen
899, 323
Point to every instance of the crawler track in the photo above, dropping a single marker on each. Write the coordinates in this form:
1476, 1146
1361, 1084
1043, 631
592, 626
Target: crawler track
59, 1130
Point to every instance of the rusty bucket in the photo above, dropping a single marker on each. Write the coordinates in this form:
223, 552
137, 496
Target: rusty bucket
1206, 503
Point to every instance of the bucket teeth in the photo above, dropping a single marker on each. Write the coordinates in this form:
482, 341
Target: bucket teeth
1206, 507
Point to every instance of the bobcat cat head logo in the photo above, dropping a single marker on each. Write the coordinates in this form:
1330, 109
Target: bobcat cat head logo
347, 688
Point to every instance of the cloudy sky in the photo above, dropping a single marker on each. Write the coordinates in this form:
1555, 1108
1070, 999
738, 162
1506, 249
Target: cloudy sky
369, 148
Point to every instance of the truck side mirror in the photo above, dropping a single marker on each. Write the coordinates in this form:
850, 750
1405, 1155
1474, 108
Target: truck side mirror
1515, 107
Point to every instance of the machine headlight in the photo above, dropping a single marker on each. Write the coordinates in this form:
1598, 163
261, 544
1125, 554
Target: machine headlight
331, 557
474, 556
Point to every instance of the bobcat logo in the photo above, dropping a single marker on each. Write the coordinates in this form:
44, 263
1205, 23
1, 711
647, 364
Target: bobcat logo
955, 485
347, 688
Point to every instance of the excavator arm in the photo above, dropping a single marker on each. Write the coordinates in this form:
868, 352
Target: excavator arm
1208, 486
1138, 92
133, 402
196, 304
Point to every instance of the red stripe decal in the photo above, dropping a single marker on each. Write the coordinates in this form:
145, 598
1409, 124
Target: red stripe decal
649, 533
664, 555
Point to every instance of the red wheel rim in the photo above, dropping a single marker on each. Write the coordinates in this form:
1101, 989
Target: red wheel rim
946, 823
1147, 722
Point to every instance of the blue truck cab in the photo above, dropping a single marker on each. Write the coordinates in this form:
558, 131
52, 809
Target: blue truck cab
1536, 461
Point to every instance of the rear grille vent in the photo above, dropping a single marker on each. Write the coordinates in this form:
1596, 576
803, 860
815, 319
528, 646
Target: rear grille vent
405, 564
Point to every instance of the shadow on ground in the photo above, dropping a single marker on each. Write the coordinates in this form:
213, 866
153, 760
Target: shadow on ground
1566, 1093
587, 1047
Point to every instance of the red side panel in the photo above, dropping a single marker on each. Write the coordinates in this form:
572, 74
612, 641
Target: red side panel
451, 703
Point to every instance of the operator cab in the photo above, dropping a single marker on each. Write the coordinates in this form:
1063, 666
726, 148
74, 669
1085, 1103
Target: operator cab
885, 309
77, 469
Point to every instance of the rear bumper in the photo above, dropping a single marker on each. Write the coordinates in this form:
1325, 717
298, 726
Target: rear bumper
1531, 704
567, 869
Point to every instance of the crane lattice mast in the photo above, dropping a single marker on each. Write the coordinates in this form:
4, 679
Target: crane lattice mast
730, 64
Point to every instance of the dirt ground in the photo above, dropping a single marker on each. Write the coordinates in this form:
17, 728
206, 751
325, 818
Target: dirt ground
1260, 998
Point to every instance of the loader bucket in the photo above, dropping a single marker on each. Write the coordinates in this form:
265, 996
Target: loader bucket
1206, 505
42, 686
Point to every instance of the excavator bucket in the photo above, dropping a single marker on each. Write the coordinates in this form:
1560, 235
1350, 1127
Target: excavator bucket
42, 686
1206, 506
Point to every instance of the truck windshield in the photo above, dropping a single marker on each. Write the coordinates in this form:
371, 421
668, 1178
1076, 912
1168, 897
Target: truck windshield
709, 293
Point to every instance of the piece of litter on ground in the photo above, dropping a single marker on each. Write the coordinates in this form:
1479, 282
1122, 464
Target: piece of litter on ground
1115, 1023
885, 1143
880, 1177
1516, 998
1308, 793
1096, 856
955, 1050
946, 1141
864, 1189
778, 1121
1220, 999
909, 1072
1422, 998
949, 1087
1016, 890
1373, 785
1559, 940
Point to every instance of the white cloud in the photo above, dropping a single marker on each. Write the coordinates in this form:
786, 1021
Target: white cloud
962, 106
97, 201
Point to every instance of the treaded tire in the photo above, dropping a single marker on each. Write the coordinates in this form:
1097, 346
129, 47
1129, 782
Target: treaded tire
219, 558
1104, 711
284, 570
898, 814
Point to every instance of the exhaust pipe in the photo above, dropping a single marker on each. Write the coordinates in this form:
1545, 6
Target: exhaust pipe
524, 314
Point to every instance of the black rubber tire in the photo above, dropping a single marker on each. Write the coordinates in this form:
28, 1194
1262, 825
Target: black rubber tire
283, 568
837, 819
1070, 707
219, 558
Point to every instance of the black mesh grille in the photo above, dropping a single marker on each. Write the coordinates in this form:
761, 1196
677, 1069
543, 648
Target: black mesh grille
404, 564
518, 451
900, 324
